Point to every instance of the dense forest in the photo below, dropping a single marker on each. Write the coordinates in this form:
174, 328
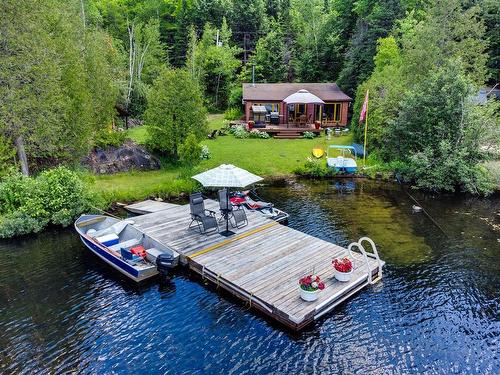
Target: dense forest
69, 68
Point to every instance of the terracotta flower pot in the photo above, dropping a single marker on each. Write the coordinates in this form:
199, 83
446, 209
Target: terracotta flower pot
317, 124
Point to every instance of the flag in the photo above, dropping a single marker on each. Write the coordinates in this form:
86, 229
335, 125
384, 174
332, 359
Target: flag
364, 109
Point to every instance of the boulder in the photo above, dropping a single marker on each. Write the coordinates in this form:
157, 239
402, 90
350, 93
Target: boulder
127, 157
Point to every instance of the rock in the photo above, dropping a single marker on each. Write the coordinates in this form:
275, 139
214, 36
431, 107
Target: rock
129, 156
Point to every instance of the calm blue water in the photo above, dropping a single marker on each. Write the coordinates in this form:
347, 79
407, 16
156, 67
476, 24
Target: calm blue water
436, 310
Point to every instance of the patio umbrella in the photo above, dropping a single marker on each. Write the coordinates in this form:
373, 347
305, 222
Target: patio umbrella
303, 97
227, 176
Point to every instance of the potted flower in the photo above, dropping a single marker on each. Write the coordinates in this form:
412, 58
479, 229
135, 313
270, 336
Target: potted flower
251, 124
342, 269
309, 287
317, 124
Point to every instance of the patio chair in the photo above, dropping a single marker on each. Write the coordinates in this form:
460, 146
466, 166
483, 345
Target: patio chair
204, 219
212, 135
237, 215
302, 120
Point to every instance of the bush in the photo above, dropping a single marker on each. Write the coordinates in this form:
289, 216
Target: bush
239, 132
308, 135
56, 196
205, 153
7, 153
315, 168
107, 138
233, 114
190, 150
258, 134
19, 223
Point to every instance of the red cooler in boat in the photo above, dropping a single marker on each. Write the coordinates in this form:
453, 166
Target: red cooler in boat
139, 251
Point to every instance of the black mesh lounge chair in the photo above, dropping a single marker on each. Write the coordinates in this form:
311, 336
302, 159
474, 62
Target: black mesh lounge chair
204, 219
239, 218
237, 215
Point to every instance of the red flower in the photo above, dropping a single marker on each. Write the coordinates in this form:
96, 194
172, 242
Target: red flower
311, 283
342, 265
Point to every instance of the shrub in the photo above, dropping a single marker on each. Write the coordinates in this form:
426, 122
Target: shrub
19, 223
7, 153
56, 196
190, 150
239, 132
63, 195
308, 135
205, 153
258, 134
107, 138
315, 168
232, 114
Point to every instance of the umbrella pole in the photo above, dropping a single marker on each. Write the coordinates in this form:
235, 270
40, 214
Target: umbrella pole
227, 232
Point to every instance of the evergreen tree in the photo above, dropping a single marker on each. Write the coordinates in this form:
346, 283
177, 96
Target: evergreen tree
52, 81
269, 57
375, 19
175, 110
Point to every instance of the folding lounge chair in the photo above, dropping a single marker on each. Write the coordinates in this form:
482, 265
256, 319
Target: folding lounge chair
204, 219
237, 215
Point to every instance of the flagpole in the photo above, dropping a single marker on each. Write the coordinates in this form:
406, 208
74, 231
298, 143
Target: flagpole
366, 128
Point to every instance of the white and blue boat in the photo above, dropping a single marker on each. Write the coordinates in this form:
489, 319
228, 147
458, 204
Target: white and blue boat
124, 247
342, 163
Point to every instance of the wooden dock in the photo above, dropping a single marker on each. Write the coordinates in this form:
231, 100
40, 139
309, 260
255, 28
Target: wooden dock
262, 263
149, 206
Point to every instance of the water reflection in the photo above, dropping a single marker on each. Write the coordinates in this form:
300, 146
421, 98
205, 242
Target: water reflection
436, 310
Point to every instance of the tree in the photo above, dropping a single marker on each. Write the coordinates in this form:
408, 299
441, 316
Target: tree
446, 31
490, 12
387, 85
180, 41
57, 83
217, 64
317, 53
146, 58
175, 110
440, 130
375, 19
269, 57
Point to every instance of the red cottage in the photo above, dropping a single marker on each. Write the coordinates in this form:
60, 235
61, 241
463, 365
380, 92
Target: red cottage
266, 105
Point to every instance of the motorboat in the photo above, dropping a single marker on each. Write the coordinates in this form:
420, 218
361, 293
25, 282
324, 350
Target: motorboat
124, 247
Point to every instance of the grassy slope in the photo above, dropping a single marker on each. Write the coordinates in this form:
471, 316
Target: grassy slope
265, 157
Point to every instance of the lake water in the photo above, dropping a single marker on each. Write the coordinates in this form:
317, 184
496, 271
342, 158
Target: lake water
436, 309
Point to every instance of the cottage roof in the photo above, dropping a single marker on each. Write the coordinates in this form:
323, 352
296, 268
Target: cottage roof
279, 91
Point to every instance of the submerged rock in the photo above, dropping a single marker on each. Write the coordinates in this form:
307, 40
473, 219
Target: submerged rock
127, 157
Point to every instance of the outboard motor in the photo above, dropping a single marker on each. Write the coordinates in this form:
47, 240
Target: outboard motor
164, 263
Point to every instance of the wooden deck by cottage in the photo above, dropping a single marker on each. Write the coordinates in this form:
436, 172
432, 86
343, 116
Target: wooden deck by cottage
262, 263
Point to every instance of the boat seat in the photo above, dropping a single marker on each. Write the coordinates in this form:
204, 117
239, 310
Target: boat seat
125, 244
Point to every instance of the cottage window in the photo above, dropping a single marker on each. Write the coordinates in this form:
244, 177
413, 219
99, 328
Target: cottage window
332, 112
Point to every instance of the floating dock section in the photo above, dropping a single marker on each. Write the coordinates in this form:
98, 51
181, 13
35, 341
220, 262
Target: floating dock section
149, 206
262, 263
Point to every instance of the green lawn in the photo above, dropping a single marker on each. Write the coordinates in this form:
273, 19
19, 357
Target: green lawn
265, 157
